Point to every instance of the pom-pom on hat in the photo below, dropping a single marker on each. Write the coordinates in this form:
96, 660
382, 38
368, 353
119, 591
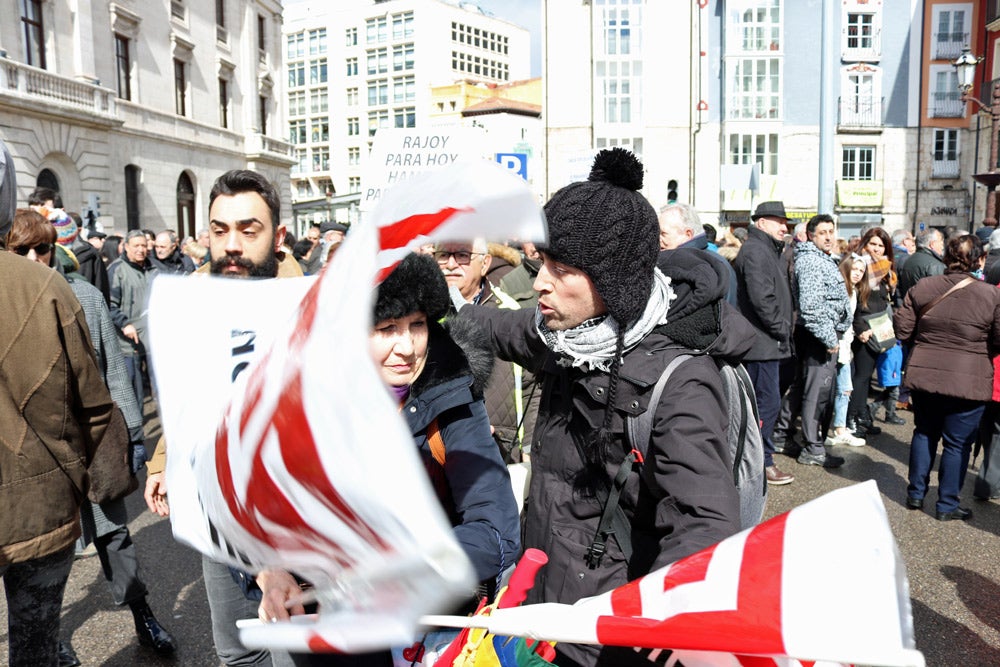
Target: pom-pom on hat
605, 228
416, 284
66, 228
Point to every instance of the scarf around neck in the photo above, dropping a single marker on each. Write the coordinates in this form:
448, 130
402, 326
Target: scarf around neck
591, 345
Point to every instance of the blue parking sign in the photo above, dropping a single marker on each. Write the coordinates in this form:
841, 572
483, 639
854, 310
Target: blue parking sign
516, 162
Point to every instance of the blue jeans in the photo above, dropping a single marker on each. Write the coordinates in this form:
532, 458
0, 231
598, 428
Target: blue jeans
133, 365
843, 395
953, 421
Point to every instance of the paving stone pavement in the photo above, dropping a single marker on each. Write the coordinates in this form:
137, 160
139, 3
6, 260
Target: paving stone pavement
954, 570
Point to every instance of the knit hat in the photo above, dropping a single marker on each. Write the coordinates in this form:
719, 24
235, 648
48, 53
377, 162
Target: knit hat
605, 228
66, 228
416, 284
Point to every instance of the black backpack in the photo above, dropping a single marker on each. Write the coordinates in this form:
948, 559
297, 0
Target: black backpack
746, 444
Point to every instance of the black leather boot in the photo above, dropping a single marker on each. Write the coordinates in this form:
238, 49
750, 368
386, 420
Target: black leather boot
67, 656
149, 630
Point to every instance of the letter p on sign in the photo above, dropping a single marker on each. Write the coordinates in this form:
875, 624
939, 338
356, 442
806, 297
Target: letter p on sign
516, 162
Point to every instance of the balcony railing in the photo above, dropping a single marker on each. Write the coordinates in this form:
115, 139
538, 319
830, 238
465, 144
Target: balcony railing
949, 45
944, 169
30, 82
860, 112
861, 47
259, 143
947, 105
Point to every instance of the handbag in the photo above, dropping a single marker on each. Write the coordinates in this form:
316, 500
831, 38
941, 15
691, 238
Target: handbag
883, 336
110, 471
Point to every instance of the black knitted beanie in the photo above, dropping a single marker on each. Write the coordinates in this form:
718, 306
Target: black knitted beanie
416, 284
605, 228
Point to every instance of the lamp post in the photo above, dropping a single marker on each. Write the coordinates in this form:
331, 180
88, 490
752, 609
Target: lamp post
965, 68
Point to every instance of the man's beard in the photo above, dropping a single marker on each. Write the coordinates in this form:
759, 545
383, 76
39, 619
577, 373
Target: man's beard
268, 268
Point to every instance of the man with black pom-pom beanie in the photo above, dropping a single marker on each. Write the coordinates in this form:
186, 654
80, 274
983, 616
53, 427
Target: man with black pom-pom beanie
599, 340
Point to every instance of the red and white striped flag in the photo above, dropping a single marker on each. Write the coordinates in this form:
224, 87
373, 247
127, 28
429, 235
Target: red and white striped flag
764, 597
302, 462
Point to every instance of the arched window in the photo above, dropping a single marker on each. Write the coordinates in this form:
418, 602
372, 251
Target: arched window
185, 206
47, 179
132, 196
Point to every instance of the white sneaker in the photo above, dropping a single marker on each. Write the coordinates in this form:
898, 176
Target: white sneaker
845, 438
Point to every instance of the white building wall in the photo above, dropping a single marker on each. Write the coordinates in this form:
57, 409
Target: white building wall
433, 47
662, 111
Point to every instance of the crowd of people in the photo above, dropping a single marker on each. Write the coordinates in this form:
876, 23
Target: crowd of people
501, 355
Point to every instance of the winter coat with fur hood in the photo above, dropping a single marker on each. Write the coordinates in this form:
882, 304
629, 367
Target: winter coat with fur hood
54, 409
683, 498
473, 485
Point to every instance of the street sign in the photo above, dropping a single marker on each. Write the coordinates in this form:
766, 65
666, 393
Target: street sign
516, 162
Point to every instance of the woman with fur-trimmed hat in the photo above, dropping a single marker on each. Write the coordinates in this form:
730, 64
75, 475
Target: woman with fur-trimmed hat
438, 374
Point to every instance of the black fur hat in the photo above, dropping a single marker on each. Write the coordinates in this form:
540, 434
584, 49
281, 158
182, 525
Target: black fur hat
607, 229
416, 284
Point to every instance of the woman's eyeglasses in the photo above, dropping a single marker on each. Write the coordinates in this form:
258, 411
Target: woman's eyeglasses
39, 248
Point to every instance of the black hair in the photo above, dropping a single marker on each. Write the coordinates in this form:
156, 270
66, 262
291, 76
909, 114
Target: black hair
816, 221
41, 195
238, 181
710, 232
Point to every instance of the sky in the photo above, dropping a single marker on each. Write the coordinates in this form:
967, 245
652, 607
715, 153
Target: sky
523, 13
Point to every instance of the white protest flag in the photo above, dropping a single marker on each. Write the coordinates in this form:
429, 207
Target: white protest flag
759, 598
303, 462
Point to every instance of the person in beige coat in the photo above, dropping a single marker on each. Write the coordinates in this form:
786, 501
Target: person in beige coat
54, 410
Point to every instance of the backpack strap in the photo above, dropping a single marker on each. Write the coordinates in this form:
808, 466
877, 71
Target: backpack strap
613, 520
640, 427
746, 388
436, 442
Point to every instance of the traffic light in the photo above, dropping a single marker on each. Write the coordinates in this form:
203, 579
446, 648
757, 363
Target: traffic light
672, 191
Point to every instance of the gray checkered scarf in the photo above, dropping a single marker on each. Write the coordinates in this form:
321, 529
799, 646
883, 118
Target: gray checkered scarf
591, 344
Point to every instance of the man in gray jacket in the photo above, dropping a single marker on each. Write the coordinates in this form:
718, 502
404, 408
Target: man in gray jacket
130, 276
823, 317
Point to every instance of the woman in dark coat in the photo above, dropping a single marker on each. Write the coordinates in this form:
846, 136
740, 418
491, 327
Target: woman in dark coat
953, 323
438, 375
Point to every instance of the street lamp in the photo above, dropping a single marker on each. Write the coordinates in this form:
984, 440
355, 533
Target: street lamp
965, 69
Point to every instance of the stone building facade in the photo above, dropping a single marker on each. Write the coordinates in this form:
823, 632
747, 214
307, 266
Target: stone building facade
132, 108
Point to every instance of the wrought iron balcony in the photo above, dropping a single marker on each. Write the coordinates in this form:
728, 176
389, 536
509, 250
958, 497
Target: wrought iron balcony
945, 169
949, 45
866, 46
947, 105
862, 111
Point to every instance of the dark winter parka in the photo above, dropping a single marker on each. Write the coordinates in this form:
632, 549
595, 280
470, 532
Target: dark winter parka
683, 498
473, 485
764, 295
